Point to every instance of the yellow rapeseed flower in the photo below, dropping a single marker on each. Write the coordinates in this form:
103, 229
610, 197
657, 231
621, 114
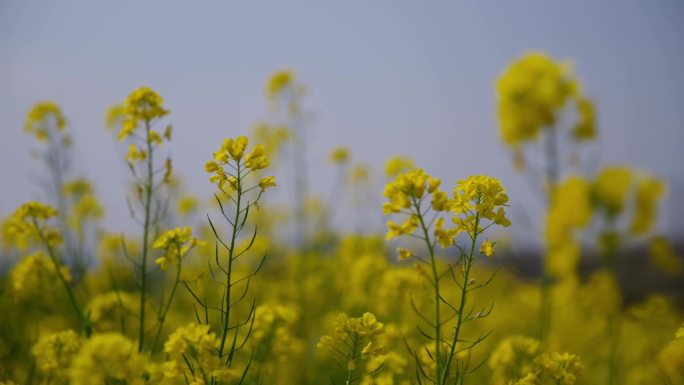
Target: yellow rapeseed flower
177, 243
649, 191
278, 82
396, 165
487, 248
339, 155
54, 352
141, 105
108, 358
42, 117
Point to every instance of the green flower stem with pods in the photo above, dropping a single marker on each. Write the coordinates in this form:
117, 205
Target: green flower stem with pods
476, 198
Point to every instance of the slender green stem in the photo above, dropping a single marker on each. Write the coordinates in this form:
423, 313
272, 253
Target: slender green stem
231, 253
62, 278
146, 233
468, 263
165, 311
350, 369
552, 176
435, 278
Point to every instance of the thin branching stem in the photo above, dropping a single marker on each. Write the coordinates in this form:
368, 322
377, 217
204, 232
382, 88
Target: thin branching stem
468, 263
149, 186
234, 233
435, 277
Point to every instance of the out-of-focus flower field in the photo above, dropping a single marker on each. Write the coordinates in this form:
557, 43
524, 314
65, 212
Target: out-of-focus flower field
237, 288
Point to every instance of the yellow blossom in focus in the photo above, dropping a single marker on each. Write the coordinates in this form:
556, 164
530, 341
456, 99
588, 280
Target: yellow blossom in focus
445, 237
479, 197
231, 154
257, 159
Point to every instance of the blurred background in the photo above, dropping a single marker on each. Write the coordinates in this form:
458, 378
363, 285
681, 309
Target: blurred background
384, 78
590, 274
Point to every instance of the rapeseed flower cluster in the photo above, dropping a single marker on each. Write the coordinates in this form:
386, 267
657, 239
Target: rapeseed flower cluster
533, 91
354, 340
176, 243
231, 154
43, 118
140, 107
29, 224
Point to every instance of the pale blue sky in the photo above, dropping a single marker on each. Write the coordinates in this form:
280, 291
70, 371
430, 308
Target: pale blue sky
385, 77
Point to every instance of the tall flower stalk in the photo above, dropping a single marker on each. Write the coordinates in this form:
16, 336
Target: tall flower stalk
477, 204
234, 171
29, 223
139, 112
534, 93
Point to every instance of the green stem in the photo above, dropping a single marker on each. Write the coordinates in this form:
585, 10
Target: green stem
435, 278
236, 224
165, 311
464, 294
146, 234
552, 177
350, 372
62, 278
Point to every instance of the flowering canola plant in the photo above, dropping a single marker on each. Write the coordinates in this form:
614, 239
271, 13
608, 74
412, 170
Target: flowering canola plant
240, 289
